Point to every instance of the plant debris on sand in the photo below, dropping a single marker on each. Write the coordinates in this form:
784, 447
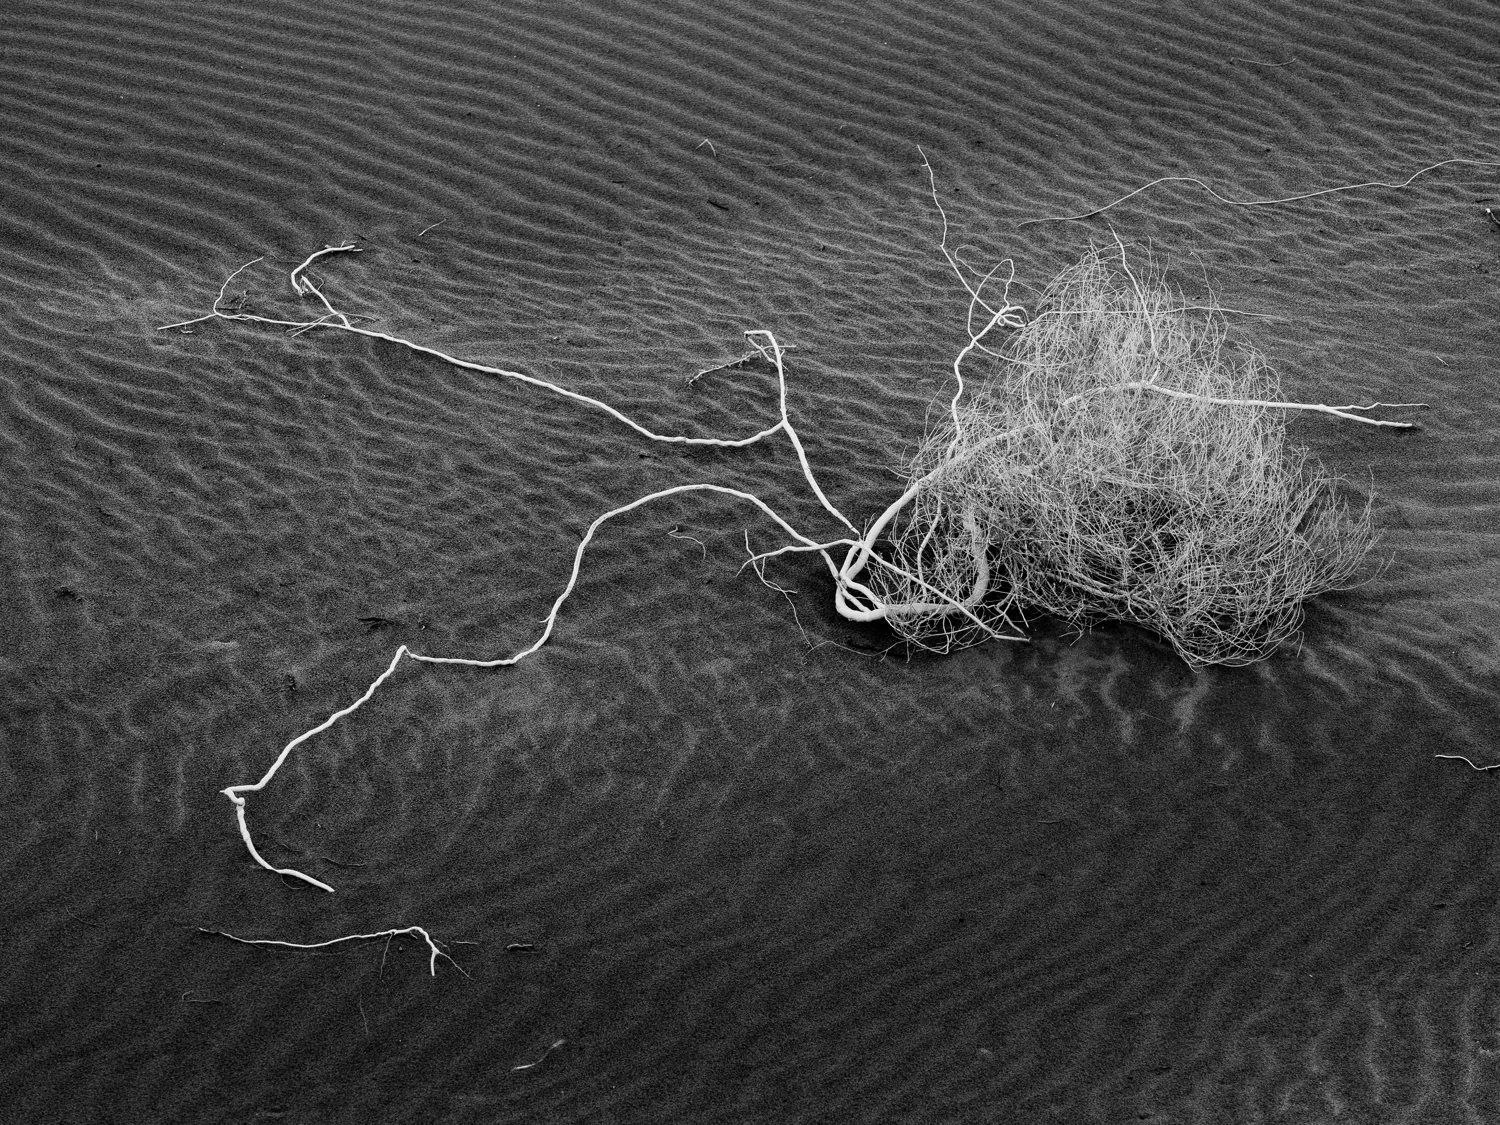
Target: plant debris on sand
1120, 461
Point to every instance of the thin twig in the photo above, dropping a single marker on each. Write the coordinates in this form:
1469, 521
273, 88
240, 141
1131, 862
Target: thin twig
693, 378
1270, 404
527, 1066
1257, 202
1462, 758
754, 353
675, 534
387, 934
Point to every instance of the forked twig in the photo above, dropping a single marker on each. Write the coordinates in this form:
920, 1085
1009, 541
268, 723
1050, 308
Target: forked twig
387, 934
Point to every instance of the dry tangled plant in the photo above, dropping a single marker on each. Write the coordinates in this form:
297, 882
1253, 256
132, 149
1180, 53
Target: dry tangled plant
1115, 463
1119, 462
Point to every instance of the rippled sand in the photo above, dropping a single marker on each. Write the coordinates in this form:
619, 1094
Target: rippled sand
747, 864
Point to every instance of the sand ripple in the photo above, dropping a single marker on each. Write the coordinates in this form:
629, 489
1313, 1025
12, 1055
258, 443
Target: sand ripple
749, 866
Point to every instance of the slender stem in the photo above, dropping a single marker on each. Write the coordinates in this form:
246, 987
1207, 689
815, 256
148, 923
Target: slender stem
1258, 202
236, 792
387, 934
774, 351
1268, 404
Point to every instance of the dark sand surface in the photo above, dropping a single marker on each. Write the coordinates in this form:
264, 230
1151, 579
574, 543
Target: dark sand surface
765, 878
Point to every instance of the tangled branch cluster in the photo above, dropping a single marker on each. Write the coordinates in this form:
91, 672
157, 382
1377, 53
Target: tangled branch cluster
1120, 461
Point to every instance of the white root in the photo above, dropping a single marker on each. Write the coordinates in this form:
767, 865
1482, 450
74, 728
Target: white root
964, 599
853, 599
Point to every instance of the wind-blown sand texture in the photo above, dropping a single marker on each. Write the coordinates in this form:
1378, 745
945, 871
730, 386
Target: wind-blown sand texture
743, 873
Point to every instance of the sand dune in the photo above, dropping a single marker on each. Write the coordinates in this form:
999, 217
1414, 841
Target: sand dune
745, 874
